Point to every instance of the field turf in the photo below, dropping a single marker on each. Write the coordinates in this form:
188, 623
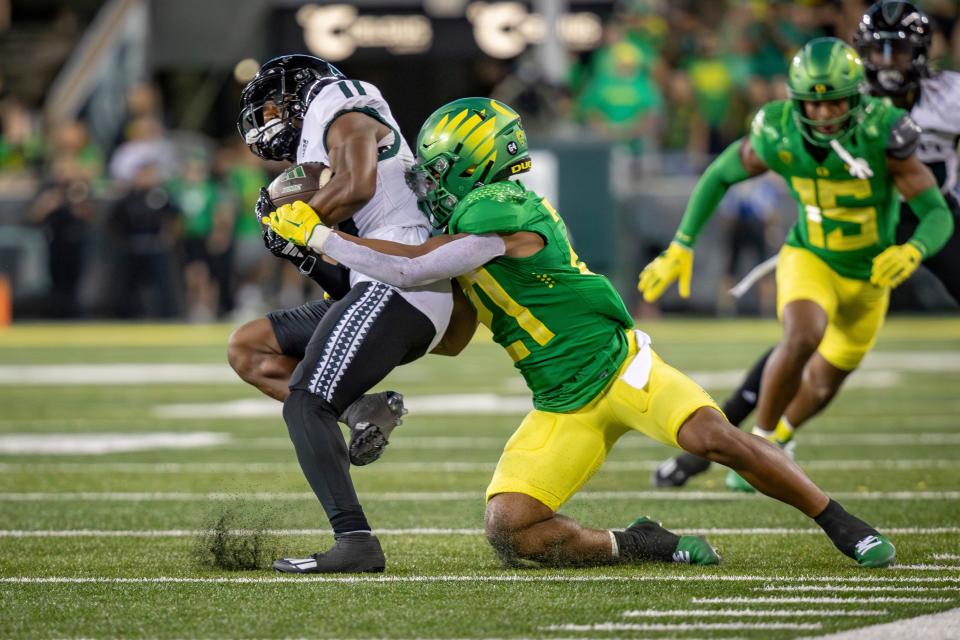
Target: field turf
111, 544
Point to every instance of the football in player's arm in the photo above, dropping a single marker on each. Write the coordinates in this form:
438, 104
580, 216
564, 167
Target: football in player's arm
592, 375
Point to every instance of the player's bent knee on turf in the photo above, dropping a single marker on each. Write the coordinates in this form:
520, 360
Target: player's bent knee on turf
507, 520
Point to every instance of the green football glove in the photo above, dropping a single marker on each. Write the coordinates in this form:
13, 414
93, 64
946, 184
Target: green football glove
895, 264
673, 264
298, 223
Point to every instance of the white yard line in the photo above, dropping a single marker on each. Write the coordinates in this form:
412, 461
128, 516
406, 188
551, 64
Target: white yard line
754, 613
926, 567
96, 466
850, 588
190, 533
437, 496
116, 374
686, 626
818, 600
935, 626
876, 365
185, 533
699, 577
636, 441
946, 556
101, 443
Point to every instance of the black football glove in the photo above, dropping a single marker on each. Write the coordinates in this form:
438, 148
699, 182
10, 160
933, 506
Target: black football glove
282, 248
264, 205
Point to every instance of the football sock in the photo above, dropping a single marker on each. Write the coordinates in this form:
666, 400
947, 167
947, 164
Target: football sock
783, 433
744, 400
322, 453
779, 435
843, 529
646, 542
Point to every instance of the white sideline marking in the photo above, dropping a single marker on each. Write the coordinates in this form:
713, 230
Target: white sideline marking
935, 626
439, 496
816, 600
846, 587
100, 443
426, 405
465, 403
631, 441
701, 577
755, 613
686, 626
183, 533
96, 466
926, 567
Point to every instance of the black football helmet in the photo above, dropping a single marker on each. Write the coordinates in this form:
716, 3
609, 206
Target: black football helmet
274, 102
893, 40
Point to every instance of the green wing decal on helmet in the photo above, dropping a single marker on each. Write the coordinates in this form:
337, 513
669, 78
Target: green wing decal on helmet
826, 69
463, 145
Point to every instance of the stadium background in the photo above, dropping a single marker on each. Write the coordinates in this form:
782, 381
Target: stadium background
625, 103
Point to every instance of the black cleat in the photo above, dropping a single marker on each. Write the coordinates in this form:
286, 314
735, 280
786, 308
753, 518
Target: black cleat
350, 553
372, 418
674, 472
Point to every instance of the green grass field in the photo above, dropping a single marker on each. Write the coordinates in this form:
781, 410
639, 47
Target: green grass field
97, 541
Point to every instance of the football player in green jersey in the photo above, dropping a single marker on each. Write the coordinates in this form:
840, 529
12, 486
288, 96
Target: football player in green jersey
845, 157
592, 375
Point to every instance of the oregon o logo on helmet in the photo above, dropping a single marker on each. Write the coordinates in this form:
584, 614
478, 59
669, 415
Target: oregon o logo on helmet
820, 88
512, 148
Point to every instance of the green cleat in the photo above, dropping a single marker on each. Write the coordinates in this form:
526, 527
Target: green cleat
735, 482
875, 552
695, 550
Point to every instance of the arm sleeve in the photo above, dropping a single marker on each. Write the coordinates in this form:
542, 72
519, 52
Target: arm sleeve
452, 259
936, 222
904, 138
722, 173
332, 278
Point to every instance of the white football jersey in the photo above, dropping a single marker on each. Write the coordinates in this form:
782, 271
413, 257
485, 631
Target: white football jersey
392, 213
938, 115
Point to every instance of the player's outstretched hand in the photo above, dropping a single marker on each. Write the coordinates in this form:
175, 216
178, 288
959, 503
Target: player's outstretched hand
296, 222
894, 265
676, 263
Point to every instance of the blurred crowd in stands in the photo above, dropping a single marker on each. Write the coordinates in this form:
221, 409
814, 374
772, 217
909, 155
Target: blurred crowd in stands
159, 224
686, 77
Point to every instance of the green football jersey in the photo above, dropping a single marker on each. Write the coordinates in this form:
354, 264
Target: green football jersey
844, 220
562, 325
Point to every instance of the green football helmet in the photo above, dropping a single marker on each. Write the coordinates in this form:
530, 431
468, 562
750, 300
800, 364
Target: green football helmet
463, 145
827, 69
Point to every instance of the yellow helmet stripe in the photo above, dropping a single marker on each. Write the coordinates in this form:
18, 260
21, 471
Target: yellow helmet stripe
436, 130
457, 119
474, 139
499, 109
468, 125
484, 148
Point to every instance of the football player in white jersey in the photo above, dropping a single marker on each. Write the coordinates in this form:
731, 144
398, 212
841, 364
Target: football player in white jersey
893, 40
299, 108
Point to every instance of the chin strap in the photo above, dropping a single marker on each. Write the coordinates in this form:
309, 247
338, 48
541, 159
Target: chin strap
857, 167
